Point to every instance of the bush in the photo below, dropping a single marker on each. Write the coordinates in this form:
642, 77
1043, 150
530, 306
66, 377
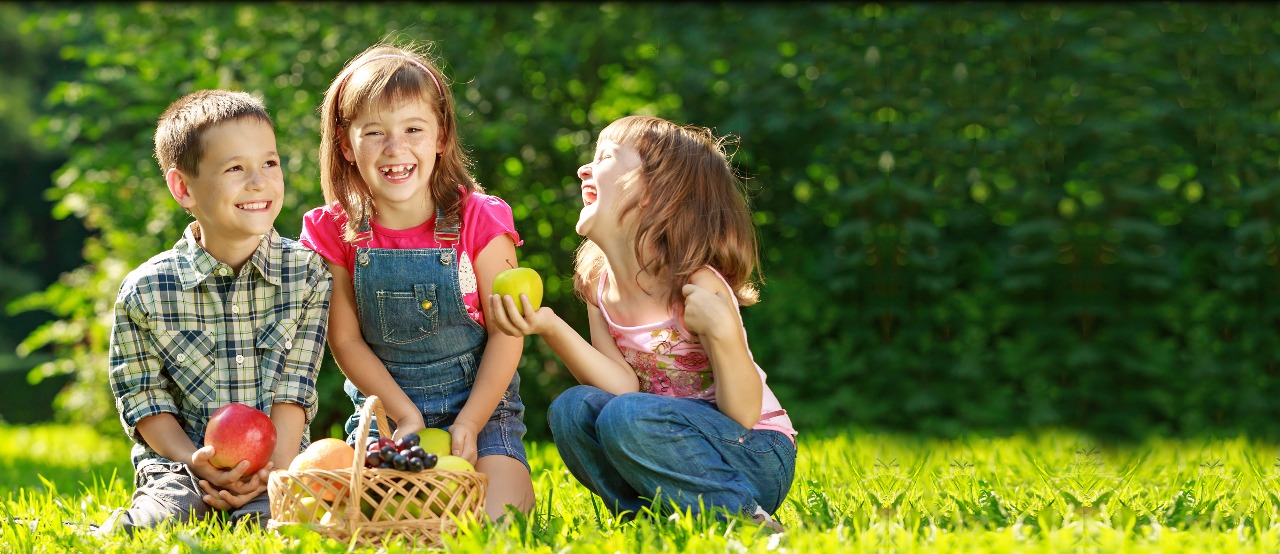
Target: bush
973, 217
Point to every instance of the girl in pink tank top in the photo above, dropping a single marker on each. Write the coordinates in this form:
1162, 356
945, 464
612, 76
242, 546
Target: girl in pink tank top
672, 410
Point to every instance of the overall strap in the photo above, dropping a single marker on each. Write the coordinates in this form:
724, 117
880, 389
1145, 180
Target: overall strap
446, 234
450, 233
365, 234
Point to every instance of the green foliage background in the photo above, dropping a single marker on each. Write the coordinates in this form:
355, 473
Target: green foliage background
984, 217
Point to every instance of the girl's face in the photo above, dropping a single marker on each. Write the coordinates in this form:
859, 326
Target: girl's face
602, 187
394, 148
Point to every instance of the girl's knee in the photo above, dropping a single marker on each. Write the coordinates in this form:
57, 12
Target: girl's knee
573, 396
634, 417
574, 410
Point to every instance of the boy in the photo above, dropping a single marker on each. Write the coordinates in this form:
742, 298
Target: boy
233, 313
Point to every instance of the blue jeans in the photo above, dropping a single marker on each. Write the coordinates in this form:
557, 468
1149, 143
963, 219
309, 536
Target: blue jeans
634, 448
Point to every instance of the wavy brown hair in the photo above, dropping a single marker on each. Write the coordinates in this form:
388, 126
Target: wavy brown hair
367, 83
691, 210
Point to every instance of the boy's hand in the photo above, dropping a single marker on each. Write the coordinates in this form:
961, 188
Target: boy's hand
507, 318
229, 488
706, 313
224, 499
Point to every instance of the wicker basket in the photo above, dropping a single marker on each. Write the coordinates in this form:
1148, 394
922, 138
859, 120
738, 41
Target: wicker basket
420, 507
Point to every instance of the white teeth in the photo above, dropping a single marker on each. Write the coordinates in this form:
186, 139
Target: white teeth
253, 205
397, 168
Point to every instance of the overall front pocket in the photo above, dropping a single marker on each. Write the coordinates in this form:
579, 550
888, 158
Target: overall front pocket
406, 317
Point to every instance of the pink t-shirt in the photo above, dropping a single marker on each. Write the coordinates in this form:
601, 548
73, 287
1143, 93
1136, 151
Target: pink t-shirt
670, 361
483, 218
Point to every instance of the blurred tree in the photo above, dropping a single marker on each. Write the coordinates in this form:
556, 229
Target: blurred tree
973, 216
35, 247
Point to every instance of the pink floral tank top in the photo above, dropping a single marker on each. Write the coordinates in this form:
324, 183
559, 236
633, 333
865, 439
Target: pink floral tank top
670, 361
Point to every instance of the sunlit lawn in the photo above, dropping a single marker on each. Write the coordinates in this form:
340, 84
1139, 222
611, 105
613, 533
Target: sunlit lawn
854, 492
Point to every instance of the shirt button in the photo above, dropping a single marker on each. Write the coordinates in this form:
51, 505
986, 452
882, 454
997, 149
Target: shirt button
288, 344
239, 359
182, 357
235, 309
426, 304
224, 271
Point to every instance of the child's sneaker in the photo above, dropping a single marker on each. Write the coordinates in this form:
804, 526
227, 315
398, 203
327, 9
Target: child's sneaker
763, 519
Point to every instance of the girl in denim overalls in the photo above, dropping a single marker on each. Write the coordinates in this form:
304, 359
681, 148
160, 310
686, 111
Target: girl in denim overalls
672, 408
413, 245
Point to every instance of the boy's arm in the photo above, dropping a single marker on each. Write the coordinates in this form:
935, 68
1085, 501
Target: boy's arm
135, 374
289, 420
295, 395
501, 355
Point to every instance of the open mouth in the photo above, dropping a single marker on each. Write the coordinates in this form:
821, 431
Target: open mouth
397, 172
588, 195
254, 206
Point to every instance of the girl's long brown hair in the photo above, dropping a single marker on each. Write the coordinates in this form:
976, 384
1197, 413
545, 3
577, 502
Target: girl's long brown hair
366, 84
690, 210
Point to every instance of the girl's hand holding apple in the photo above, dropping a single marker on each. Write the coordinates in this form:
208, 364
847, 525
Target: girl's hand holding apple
509, 318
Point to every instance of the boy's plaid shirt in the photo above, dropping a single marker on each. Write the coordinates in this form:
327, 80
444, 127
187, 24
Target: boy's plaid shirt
190, 336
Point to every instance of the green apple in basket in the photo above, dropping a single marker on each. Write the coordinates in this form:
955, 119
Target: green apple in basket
310, 509
411, 509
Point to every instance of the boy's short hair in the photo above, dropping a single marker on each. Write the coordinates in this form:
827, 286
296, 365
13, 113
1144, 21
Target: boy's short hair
181, 128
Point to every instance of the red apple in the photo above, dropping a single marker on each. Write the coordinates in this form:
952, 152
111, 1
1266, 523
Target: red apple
512, 282
239, 432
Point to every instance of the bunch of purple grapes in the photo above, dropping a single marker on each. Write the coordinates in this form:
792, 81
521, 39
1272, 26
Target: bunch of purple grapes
403, 454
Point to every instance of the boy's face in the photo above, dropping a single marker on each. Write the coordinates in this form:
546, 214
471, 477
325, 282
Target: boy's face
239, 191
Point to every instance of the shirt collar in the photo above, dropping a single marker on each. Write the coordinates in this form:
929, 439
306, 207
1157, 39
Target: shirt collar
196, 264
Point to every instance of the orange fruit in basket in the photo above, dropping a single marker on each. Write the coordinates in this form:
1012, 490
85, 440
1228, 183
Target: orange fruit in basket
324, 454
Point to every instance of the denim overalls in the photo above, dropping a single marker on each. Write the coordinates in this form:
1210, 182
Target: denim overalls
412, 316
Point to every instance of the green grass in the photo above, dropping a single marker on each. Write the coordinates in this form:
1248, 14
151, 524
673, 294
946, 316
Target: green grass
1054, 492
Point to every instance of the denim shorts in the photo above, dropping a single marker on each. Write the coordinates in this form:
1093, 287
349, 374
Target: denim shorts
440, 405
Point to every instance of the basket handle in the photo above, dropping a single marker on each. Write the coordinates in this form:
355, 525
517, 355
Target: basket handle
371, 409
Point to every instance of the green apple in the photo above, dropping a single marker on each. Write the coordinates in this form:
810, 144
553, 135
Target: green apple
333, 518
512, 282
369, 504
436, 441
310, 510
454, 463
411, 509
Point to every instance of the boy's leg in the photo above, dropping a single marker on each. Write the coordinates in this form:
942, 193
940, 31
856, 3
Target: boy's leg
166, 491
687, 449
254, 512
572, 418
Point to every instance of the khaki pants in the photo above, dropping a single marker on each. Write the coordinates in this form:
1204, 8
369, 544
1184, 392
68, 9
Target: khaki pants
169, 491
